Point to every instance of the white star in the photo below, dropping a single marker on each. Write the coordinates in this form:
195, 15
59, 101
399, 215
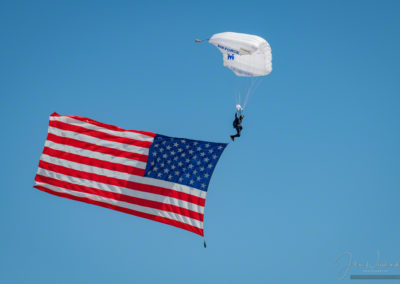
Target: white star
166, 171
210, 166
154, 154
161, 150
176, 144
203, 185
195, 171
168, 147
187, 175
180, 150
191, 152
191, 181
165, 156
198, 148
206, 175
206, 159
155, 169
207, 145
214, 156
180, 164
202, 154
211, 150
190, 166
198, 178
183, 141
172, 153
173, 167
220, 147
202, 169
177, 173
170, 176
159, 174
195, 143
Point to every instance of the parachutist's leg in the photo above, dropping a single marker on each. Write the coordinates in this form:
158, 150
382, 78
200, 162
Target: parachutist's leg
238, 130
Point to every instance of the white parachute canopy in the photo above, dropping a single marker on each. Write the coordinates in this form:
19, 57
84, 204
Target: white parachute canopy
246, 55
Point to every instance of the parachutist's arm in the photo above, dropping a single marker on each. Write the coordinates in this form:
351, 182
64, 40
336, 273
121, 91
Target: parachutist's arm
238, 113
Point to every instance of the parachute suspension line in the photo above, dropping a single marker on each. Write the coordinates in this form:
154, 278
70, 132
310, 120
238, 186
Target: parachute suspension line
254, 87
249, 90
255, 83
249, 86
240, 89
237, 98
261, 79
237, 94
244, 85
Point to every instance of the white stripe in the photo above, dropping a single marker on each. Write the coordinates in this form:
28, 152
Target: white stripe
148, 210
122, 190
95, 155
98, 141
88, 125
124, 176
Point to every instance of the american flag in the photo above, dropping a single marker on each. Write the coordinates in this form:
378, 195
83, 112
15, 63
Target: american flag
142, 173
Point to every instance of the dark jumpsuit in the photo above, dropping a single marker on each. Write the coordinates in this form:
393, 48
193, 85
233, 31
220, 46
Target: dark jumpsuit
237, 124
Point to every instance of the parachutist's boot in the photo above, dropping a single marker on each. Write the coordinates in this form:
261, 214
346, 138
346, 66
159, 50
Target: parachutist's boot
233, 138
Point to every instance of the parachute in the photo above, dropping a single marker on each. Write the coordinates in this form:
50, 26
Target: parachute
247, 56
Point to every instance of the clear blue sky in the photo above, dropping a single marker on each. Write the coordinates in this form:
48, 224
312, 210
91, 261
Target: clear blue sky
315, 174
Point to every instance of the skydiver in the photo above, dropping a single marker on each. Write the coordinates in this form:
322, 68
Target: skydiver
237, 124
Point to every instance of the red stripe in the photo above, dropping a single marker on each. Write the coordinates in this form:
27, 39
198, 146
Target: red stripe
96, 148
93, 162
107, 126
123, 183
121, 197
125, 210
98, 134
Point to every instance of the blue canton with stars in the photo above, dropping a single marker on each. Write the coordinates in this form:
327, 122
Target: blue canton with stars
183, 161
